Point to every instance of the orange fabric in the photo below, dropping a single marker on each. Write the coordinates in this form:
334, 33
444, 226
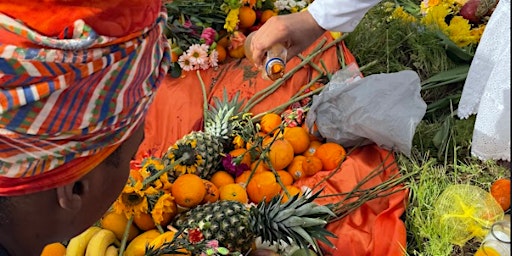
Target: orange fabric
59, 176
374, 229
178, 105
114, 18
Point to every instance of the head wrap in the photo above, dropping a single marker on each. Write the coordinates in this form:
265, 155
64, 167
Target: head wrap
68, 102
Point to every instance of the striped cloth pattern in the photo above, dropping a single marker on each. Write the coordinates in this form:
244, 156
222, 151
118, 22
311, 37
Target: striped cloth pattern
71, 98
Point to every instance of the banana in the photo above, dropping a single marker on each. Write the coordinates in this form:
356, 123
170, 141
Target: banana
77, 244
112, 251
99, 243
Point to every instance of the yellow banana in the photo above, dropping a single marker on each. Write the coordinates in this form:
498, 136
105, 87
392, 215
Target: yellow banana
112, 251
77, 244
99, 243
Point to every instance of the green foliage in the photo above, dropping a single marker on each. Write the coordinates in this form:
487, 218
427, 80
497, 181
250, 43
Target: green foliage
397, 45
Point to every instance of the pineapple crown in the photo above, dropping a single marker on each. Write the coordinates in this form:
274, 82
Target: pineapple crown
222, 115
298, 220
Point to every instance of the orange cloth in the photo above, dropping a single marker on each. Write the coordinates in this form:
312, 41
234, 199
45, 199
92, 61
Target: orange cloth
374, 229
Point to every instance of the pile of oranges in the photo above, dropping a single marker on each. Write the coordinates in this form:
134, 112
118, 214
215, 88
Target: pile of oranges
284, 156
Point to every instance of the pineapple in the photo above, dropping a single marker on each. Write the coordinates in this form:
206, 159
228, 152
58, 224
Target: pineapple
200, 152
236, 225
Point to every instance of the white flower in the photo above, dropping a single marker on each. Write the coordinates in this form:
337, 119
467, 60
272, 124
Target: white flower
185, 62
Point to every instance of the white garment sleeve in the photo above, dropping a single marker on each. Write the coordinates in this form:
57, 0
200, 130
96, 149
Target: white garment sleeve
340, 15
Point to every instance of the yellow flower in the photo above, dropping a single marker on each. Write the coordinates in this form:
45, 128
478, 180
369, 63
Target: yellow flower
436, 17
400, 13
132, 201
238, 142
162, 183
231, 20
163, 205
459, 31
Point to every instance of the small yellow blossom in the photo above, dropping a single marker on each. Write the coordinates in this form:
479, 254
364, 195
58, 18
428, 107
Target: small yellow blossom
231, 20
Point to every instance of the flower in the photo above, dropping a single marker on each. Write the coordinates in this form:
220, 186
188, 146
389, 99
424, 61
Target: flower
231, 20
195, 235
198, 54
231, 166
208, 35
133, 199
163, 205
214, 61
188, 156
185, 62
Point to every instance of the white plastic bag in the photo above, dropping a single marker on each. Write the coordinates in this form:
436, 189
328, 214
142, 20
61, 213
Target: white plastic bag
383, 109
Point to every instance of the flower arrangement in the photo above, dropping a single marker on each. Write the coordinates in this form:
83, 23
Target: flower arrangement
195, 29
450, 17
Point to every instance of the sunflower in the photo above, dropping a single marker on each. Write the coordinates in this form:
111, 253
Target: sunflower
133, 199
184, 158
162, 205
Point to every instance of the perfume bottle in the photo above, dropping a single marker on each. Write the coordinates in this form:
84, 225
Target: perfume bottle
275, 60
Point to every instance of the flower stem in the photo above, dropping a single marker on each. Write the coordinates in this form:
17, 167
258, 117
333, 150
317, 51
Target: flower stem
124, 240
203, 89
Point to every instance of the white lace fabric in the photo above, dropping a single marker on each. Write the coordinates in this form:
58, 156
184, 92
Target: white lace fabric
486, 91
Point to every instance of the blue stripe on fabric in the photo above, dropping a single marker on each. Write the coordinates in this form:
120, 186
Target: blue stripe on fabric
8, 95
18, 118
83, 101
6, 67
114, 86
73, 98
50, 69
29, 96
31, 53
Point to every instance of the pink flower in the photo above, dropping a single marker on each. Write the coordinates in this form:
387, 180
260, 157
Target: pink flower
198, 54
208, 35
212, 244
214, 61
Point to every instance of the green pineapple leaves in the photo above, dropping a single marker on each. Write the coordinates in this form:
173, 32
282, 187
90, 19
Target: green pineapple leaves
297, 221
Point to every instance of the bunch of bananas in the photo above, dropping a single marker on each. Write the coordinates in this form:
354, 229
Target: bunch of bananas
94, 241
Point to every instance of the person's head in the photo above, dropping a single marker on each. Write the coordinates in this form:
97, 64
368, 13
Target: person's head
69, 125
60, 213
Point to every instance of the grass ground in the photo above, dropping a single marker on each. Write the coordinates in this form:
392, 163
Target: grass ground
442, 143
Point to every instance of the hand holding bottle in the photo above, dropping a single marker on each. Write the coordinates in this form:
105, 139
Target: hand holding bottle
294, 31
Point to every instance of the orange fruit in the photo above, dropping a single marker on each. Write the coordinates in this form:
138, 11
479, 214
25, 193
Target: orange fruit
267, 14
144, 221
246, 17
221, 178
116, 223
258, 167
292, 190
237, 53
269, 122
311, 165
224, 42
500, 190
295, 168
222, 53
188, 190
263, 186
313, 145
246, 158
286, 177
174, 56
331, 154
212, 192
54, 249
280, 154
298, 137
242, 178
233, 192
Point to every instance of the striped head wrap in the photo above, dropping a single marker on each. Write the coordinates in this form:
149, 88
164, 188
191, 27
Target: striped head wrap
68, 102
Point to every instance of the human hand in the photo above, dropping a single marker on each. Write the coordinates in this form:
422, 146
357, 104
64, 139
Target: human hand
295, 31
